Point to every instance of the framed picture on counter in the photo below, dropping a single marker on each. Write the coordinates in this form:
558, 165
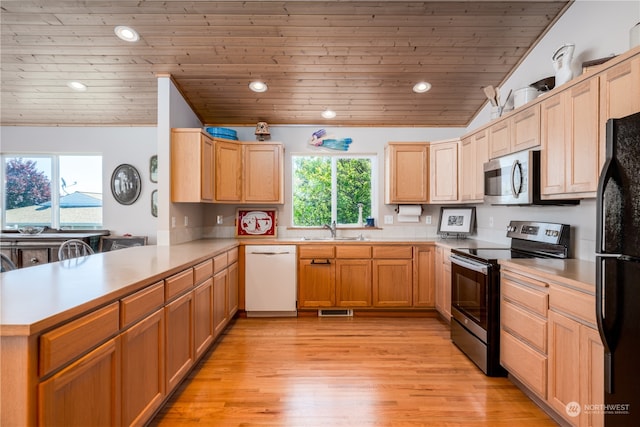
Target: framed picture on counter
456, 221
111, 243
256, 222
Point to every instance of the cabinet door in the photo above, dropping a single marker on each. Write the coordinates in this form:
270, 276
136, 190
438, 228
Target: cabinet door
500, 139
443, 282
263, 173
316, 283
582, 138
228, 171
467, 169
220, 301
203, 317
353, 283
481, 140
406, 173
564, 367
591, 375
232, 272
525, 129
143, 369
553, 153
86, 392
206, 169
179, 339
444, 172
619, 95
424, 294
392, 282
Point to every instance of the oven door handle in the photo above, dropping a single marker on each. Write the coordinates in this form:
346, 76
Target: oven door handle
471, 265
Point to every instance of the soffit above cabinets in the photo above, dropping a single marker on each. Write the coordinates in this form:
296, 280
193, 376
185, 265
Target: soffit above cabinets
360, 59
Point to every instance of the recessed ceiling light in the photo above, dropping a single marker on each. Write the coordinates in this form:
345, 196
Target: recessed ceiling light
77, 86
328, 114
258, 86
127, 34
421, 87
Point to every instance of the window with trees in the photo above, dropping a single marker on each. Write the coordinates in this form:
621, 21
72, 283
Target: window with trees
57, 191
328, 188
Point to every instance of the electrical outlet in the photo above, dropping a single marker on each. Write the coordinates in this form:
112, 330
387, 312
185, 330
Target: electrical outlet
219, 220
490, 221
388, 219
186, 221
173, 222
427, 219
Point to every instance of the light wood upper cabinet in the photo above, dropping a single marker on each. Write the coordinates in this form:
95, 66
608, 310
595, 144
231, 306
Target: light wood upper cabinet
249, 172
570, 163
228, 171
406, 173
517, 132
619, 95
191, 166
474, 154
443, 170
263, 171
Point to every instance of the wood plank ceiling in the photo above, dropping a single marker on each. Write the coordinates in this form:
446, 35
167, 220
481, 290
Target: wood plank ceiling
358, 58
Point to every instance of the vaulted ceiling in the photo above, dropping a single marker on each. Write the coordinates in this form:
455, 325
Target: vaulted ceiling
358, 58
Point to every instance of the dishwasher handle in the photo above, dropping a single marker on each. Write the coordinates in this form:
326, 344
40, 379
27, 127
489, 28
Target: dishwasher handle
325, 262
270, 253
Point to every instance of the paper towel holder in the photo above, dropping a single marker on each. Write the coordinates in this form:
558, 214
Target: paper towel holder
397, 209
456, 223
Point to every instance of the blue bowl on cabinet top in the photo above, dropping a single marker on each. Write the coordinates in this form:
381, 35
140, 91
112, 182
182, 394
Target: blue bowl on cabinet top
222, 133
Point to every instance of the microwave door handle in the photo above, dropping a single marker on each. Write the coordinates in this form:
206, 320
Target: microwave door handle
518, 190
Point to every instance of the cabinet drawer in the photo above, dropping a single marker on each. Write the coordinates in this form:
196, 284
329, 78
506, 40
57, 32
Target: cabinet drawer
525, 363
525, 325
393, 252
232, 256
575, 303
220, 262
203, 271
316, 251
67, 342
353, 251
178, 283
533, 299
136, 306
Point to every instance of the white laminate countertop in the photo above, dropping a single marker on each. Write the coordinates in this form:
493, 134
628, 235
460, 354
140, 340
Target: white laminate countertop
36, 298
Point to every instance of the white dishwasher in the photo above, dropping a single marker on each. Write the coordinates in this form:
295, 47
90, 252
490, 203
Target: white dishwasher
270, 280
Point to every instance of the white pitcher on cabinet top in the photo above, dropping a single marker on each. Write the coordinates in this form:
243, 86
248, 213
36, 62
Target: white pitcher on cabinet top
562, 63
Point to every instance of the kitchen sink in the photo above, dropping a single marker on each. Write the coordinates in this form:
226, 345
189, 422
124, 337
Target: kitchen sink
358, 238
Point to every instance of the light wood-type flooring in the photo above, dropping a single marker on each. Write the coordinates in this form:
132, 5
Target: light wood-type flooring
340, 371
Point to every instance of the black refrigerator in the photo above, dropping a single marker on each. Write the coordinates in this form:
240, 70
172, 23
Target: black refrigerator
618, 271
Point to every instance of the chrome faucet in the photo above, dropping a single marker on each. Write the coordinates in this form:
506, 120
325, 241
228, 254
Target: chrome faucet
332, 228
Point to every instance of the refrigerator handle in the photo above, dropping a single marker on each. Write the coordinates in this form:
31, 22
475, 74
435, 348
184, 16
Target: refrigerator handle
605, 320
607, 175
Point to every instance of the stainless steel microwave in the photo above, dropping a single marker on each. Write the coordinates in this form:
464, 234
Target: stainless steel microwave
514, 179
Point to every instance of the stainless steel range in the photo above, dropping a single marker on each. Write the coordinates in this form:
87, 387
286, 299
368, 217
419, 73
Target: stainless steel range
475, 287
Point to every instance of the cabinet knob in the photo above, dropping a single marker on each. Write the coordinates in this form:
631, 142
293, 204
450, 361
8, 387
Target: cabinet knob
34, 260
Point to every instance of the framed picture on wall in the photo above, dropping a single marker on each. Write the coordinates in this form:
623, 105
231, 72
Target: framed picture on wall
256, 223
153, 169
154, 203
125, 184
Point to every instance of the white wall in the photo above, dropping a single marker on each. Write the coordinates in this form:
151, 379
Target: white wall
117, 145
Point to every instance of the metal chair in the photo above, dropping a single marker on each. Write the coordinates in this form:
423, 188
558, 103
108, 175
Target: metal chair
6, 264
74, 248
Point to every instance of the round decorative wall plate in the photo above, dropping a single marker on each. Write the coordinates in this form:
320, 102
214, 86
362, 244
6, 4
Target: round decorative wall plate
125, 184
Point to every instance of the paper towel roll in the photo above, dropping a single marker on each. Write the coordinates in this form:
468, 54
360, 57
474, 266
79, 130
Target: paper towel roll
409, 213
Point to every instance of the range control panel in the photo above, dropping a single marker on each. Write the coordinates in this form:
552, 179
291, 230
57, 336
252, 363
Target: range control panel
547, 232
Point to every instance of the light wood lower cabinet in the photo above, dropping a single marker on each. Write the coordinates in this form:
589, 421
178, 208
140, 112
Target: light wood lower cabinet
85, 393
548, 341
443, 282
203, 315
143, 369
424, 292
179, 339
317, 283
353, 282
233, 280
220, 300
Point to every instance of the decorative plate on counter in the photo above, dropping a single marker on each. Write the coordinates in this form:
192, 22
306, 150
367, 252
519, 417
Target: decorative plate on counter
256, 223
